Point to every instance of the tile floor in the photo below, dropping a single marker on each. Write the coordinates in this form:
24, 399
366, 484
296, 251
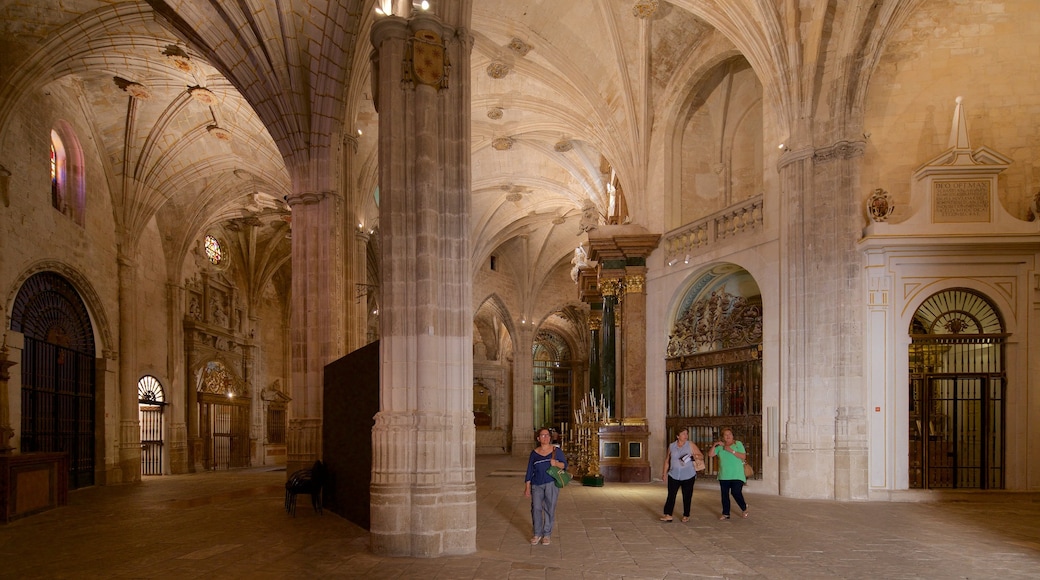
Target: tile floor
232, 525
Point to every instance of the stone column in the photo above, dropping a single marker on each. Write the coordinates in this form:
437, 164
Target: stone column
129, 422
821, 364
423, 492
176, 418
358, 327
357, 283
316, 326
523, 391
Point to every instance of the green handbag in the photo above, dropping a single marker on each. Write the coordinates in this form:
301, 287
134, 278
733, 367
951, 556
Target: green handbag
560, 477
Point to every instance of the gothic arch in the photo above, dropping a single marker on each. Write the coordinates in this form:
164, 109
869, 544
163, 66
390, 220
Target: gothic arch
102, 328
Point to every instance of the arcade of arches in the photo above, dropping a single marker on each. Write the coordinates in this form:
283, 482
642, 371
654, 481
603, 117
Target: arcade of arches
833, 248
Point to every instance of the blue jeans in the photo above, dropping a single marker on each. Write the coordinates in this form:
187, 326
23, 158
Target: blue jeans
543, 508
736, 487
687, 495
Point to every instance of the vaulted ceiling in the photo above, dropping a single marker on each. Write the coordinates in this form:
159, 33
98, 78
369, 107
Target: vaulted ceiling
227, 117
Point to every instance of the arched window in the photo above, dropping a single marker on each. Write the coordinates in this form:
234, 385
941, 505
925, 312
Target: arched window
214, 252
58, 173
68, 192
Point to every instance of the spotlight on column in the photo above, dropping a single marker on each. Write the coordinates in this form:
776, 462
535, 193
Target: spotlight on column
687, 259
673, 261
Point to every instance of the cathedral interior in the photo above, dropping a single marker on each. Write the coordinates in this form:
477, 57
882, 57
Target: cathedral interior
814, 222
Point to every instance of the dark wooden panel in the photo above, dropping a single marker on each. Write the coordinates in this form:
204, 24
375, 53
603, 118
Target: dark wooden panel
351, 401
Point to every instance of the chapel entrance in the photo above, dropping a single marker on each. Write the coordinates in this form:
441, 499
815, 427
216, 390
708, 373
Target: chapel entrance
553, 381
58, 380
957, 387
151, 402
714, 364
223, 418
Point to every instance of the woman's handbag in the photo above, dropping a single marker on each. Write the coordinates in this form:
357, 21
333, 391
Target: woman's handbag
748, 470
560, 477
698, 464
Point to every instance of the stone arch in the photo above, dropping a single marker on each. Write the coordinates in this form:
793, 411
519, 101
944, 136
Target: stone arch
713, 361
101, 326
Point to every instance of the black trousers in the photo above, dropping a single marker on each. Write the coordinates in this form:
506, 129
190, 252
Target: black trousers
687, 495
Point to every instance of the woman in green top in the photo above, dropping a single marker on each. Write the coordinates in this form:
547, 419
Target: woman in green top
731, 471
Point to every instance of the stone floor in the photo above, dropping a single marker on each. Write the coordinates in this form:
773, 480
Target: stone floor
232, 525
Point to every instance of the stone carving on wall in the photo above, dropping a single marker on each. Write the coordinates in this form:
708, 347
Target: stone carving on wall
879, 205
502, 144
563, 146
218, 379
719, 321
195, 307
589, 217
218, 310
494, 113
426, 60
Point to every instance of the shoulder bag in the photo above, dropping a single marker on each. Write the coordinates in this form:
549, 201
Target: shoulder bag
560, 477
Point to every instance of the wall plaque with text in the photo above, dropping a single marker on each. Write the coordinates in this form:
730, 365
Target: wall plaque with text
960, 201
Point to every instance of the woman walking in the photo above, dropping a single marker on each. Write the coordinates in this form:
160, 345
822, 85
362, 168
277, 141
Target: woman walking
679, 468
541, 488
731, 456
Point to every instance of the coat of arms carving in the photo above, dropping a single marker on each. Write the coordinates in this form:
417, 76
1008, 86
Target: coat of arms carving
426, 60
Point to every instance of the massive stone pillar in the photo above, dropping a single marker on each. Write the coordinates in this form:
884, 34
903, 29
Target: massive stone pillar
423, 493
825, 424
177, 431
129, 423
316, 329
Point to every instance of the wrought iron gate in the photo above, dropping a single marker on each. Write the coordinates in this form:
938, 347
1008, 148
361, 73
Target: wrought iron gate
151, 402
226, 431
58, 377
957, 393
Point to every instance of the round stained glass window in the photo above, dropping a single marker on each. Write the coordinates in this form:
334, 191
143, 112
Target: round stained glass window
213, 250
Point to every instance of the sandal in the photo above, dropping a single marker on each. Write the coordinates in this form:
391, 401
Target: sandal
666, 518
723, 517
745, 515
687, 518
535, 540
546, 541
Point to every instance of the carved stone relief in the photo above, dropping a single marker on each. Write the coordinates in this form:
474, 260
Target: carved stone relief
719, 321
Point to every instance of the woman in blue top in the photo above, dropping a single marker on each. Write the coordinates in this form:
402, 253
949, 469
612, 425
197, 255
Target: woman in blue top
731, 471
540, 487
681, 473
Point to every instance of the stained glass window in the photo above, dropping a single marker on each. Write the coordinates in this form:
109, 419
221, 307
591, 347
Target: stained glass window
213, 250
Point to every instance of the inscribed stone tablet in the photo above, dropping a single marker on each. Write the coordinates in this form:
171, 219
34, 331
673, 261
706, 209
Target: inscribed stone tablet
960, 201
